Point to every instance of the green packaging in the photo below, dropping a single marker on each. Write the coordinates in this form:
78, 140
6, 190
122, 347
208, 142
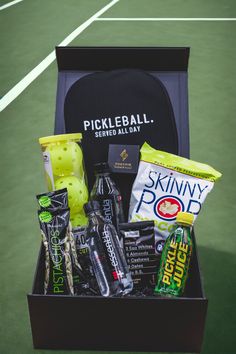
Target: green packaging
54, 226
175, 259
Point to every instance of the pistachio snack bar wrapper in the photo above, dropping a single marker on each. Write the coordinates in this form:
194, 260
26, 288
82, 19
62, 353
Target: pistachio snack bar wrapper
56, 202
53, 200
55, 233
165, 185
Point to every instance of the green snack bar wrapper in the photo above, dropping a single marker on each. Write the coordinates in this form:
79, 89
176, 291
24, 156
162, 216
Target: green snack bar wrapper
55, 233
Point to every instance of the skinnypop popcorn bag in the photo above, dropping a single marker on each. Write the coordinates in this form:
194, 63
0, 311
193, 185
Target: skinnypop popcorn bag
165, 185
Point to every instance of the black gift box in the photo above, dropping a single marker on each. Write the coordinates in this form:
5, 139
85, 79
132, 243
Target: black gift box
129, 323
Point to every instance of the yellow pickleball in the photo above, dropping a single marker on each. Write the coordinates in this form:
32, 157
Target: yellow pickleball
66, 158
77, 192
78, 220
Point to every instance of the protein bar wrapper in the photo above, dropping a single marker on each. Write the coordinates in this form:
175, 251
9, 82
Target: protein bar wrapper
55, 233
165, 185
79, 235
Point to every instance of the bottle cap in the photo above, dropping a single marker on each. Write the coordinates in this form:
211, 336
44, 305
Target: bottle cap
60, 138
102, 167
91, 206
185, 218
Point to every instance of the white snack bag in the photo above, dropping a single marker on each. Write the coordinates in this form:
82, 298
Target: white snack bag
165, 185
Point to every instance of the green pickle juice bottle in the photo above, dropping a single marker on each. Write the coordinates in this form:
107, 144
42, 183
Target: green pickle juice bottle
175, 259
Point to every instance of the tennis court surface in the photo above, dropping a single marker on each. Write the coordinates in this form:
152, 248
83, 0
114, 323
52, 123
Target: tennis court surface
30, 30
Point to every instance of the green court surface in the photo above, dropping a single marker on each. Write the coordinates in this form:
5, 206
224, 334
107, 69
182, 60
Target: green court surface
29, 32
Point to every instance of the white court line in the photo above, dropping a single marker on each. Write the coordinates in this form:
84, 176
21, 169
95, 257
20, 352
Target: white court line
166, 19
9, 4
33, 74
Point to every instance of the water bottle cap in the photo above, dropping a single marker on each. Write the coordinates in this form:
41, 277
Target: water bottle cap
91, 206
102, 167
185, 218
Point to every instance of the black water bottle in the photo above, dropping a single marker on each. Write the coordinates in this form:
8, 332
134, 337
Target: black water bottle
108, 195
106, 255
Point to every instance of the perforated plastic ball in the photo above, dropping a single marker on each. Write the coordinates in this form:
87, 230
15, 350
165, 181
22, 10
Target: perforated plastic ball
66, 158
77, 192
78, 220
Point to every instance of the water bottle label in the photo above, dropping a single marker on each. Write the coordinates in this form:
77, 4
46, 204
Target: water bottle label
108, 207
113, 261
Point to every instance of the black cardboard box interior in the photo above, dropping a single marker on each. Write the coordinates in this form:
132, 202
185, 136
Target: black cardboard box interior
121, 96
